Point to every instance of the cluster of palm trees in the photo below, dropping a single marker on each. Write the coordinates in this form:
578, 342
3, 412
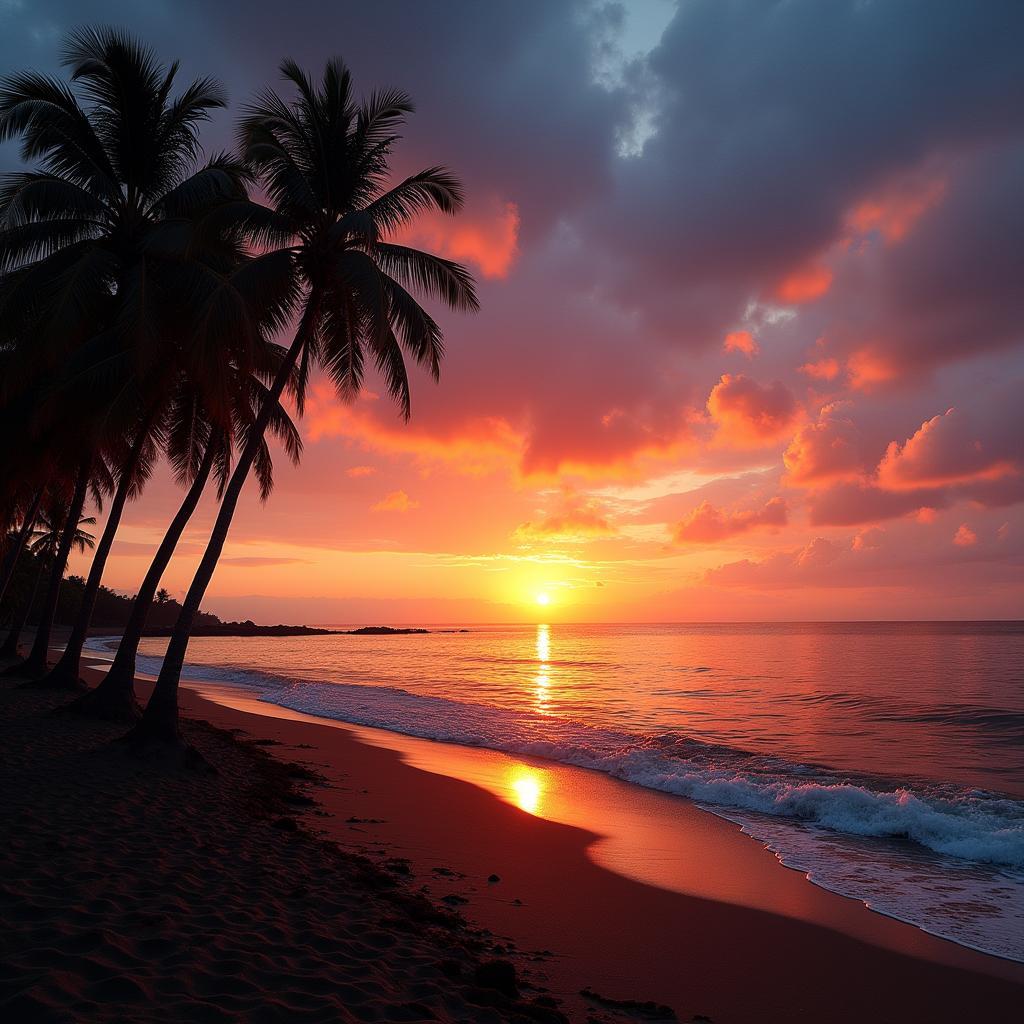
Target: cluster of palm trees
142, 286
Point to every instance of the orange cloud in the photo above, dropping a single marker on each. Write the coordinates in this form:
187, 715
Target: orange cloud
578, 520
965, 537
942, 452
707, 524
804, 285
868, 367
488, 238
826, 450
358, 471
926, 515
868, 539
822, 369
475, 446
741, 341
895, 210
396, 501
748, 413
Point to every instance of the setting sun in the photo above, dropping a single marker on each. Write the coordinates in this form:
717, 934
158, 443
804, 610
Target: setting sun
543, 599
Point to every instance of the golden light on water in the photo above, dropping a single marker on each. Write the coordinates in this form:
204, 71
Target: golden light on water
542, 681
526, 788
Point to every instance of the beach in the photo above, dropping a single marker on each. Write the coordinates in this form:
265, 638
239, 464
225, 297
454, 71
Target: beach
196, 896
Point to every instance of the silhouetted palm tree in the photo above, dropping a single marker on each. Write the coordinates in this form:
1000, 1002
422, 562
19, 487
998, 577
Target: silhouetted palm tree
43, 544
323, 159
112, 271
189, 437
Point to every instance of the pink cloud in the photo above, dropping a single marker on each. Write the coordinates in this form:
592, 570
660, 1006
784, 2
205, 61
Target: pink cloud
396, 501
485, 237
750, 414
781, 569
805, 284
824, 451
821, 369
358, 471
707, 524
965, 537
741, 341
576, 520
869, 367
943, 451
894, 211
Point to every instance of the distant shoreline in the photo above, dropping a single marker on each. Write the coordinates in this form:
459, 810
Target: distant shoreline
252, 629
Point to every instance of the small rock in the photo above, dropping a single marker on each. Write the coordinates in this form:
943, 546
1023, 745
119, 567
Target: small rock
493, 878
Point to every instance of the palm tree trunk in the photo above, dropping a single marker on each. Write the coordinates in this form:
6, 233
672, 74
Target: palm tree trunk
160, 719
14, 551
65, 673
35, 665
10, 646
114, 698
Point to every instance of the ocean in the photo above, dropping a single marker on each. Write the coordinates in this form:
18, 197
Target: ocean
885, 760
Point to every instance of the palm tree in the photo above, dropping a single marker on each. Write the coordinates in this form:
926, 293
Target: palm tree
189, 437
43, 544
111, 269
323, 159
16, 544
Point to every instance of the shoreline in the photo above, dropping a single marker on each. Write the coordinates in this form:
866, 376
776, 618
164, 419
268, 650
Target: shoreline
569, 906
698, 955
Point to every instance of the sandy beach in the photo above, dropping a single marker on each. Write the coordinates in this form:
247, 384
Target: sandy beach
240, 896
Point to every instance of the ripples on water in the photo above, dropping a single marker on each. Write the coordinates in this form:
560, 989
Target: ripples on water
886, 760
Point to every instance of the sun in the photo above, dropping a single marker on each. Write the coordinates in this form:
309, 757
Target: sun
543, 599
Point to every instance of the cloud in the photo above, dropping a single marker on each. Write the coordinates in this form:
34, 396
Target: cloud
821, 369
748, 413
781, 569
576, 520
358, 471
897, 207
396, 501
741, 341
850, 503
965, 537
826, 450
804, 285
707, 524
943, 451
262, 563
487, 240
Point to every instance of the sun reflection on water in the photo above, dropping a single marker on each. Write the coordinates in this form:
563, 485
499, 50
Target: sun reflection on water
542, 680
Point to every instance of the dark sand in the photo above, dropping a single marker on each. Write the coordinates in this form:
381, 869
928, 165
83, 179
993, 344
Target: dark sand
128, 894
134, 891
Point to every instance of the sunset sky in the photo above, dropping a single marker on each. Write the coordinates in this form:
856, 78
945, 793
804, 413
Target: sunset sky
750, 344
